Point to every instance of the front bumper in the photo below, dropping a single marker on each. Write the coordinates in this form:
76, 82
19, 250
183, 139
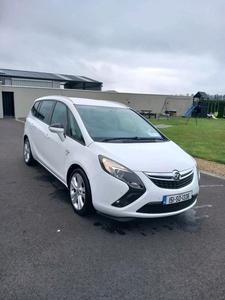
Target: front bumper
148, 205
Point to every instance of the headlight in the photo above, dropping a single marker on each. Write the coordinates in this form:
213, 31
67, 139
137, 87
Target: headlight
120, 172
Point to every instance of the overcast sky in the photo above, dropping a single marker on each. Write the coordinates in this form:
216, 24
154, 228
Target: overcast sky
143, 46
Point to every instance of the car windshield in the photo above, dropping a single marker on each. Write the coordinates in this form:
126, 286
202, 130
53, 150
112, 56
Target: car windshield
117, 125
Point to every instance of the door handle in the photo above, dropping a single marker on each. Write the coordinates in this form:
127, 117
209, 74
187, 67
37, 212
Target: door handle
67, 152
32, 124
46, 136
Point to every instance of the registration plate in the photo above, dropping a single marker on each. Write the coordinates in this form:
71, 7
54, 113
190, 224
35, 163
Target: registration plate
177, 198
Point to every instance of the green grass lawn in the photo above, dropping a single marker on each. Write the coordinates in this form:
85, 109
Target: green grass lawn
205, 140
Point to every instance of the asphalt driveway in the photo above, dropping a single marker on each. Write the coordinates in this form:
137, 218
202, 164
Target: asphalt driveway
48, 252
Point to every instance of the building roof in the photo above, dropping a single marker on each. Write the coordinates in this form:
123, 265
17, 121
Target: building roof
201, 95
46, 76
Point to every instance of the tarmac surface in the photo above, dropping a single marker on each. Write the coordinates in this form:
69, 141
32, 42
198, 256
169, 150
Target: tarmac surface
49, 252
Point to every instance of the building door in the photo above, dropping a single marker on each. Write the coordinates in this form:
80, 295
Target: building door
8, 104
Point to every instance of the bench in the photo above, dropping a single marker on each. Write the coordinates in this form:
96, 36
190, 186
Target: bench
148, 113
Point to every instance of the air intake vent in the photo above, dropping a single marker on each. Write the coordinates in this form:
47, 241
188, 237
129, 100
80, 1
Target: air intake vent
153, 208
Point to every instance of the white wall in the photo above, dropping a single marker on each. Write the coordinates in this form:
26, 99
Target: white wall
1, 107
24, 97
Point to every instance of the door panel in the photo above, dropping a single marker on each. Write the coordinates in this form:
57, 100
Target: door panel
55, 150
54, 153
8, 104
39, 128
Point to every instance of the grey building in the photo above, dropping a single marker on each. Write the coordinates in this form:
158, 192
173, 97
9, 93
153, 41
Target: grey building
30, 79
48, 80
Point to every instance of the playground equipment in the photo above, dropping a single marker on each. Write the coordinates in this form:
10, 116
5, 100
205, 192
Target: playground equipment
213, 110
166, 110
190, 110
196, 108
201, 106
209, 106
213, 115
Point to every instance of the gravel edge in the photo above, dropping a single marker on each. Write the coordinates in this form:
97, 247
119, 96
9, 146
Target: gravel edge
211, 168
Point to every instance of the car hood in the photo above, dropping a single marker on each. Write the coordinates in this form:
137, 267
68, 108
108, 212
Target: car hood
149, 157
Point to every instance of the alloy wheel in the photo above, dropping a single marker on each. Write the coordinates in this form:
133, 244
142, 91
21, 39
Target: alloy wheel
77, 191
27, 151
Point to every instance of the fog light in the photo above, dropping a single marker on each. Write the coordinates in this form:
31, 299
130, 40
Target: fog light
128, 198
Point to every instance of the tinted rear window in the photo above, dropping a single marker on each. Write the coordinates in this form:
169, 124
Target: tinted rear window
34, 109
44, 110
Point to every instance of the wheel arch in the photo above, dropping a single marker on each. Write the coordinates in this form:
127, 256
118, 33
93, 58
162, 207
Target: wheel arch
28, 160
70, 170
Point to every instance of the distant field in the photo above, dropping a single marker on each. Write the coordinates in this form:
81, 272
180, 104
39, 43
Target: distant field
205, 140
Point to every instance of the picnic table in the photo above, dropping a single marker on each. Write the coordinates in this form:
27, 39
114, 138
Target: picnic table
147, 112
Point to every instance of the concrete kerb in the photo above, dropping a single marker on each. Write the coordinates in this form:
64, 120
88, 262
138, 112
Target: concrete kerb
162, 126
212, 174
22, 120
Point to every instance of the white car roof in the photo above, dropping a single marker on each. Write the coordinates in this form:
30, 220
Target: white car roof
84, 101
94, 102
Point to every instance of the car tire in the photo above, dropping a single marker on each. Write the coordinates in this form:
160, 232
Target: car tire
27, 153
80, 192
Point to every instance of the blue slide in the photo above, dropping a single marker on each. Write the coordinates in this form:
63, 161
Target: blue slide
189, 111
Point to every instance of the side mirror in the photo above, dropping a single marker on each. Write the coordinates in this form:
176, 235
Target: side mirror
59, 129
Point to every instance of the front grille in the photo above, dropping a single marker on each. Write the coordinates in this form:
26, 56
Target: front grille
167, 181
153, 208
170, 184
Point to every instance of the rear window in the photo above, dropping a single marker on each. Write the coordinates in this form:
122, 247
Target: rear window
34, 109
43, 112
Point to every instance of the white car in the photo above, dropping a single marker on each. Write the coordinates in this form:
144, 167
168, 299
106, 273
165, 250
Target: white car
110, 157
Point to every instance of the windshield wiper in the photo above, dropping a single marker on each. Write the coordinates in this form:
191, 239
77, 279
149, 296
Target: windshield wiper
133, 138
115, 139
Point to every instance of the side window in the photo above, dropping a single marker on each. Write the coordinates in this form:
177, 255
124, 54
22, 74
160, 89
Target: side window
34, 109
45, 110
74, 130
60, 115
